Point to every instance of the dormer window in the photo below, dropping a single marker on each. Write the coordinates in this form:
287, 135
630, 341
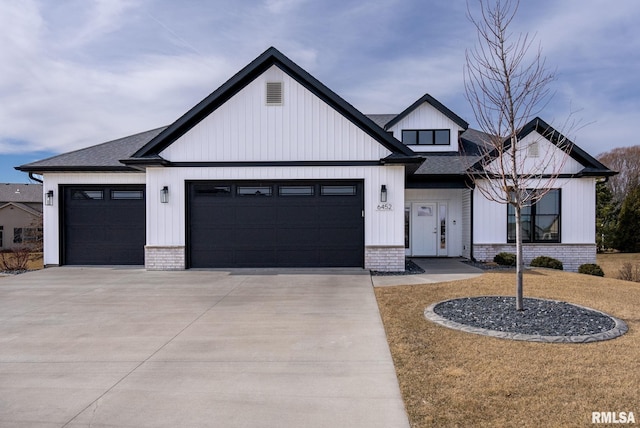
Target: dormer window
426, 137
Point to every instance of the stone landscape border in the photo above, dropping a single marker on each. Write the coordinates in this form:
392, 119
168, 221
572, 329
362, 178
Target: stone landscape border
619, 328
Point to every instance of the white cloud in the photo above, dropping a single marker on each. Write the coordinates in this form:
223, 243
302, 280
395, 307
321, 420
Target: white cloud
76, 73
57, 103
100, 17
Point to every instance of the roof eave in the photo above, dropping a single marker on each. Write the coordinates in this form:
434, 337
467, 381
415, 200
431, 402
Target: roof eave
71, 168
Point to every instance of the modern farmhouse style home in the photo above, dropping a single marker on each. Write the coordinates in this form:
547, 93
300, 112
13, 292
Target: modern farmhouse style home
273, 169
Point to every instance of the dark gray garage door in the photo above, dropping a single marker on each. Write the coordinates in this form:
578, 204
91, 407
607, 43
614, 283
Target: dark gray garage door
103, 225
275, 224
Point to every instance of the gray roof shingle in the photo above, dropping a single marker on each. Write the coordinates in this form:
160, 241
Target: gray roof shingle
381, 119
105, 156
24, 193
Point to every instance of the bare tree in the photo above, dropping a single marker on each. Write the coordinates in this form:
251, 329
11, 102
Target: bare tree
625, 160
507, 86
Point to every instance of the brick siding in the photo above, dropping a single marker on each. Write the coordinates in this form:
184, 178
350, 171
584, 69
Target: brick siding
164, 258
571, 255
386, 259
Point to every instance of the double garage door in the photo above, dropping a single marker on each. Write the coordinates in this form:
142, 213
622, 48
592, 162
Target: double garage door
275, 224
229, 224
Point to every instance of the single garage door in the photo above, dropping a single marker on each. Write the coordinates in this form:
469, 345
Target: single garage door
275, 224
103, 225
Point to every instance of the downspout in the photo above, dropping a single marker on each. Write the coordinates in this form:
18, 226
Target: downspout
32, 177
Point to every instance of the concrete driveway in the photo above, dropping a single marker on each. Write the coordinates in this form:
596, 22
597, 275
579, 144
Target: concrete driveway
125, 347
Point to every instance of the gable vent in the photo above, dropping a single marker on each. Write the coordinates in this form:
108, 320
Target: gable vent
274, 93
534, 149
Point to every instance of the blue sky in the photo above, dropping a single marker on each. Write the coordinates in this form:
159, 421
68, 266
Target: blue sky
82, 72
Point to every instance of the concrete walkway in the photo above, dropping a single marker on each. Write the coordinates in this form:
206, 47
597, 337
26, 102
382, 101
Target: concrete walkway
113, 347
435, 270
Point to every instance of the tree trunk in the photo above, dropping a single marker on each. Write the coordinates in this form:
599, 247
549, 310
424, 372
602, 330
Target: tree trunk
519, 258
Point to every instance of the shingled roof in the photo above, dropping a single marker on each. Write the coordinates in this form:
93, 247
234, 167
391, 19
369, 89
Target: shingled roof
101, 157
20, 193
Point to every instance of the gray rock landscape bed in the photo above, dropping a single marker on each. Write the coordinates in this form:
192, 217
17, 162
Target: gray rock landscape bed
541, 320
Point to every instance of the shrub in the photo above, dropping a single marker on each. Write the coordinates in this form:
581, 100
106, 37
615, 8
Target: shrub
591, 269
505, 259
628, 272
15, 259
546, 262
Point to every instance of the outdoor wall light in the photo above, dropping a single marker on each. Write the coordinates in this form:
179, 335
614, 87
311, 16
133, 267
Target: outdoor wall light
49, 198
164, 194
383, 193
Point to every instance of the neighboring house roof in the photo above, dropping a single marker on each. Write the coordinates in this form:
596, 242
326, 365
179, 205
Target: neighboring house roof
23, 207
149, 153
25, 193
426, 98
101, 157
592, 167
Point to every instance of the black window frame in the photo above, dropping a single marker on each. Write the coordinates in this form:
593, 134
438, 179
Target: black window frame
417, 133
534, 219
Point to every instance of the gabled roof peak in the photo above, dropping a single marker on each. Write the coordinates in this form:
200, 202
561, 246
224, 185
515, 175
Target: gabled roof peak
255, 68
426, 98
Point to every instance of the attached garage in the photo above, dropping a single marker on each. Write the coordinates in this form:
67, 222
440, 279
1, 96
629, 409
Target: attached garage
275, 224
103, 225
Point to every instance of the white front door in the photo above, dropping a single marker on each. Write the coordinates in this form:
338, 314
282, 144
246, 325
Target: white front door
426, 229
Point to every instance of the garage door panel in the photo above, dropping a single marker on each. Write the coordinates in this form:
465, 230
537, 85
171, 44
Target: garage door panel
222, 257
99, 228
259, 214
294, 226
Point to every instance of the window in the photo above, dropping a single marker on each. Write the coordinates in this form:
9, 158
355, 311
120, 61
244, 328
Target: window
17, 235
87, 194
212, 190
1, 236
23, 235
127, 194
296, 190
338, 190
407, 227
540, 222
253, 191
425, 137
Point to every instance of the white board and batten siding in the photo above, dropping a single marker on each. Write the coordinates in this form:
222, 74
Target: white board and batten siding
51, 213
246, 129
536, 153
428, 117
577, 211
166, 222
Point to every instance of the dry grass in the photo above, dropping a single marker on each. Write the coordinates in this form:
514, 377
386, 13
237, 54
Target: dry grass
612, 262
36, 262
449, 378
